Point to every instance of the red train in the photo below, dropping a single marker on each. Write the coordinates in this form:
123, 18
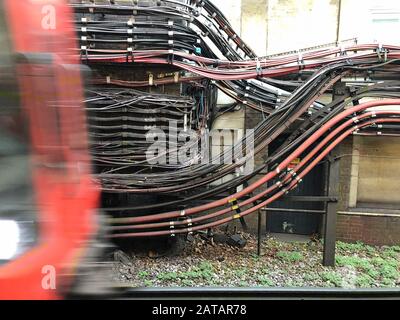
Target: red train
47, 218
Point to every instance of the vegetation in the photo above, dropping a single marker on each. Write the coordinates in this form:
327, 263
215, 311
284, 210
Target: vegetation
281, 264
265, 281
332, 277
290, 256
203, 271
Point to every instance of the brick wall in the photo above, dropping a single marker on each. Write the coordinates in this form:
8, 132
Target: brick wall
372, 230
364, 227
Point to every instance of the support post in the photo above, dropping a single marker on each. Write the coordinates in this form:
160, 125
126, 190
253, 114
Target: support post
261, 212
331, 211
259, 232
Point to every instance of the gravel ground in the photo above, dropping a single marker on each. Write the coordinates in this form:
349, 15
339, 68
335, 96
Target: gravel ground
204, 263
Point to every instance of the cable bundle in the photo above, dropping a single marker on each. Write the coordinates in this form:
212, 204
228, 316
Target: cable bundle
190, 45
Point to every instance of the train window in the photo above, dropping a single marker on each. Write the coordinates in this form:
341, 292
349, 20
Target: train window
17, 213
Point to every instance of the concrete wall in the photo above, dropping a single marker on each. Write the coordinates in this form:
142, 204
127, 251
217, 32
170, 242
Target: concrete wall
378, 171
232, 9
272, 26
294, 24
255, 25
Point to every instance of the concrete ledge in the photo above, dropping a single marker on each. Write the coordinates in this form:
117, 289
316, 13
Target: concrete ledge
369, 214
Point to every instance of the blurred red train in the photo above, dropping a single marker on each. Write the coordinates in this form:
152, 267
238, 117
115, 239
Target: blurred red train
48, 199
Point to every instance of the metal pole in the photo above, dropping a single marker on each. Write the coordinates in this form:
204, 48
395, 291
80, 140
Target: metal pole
331, 213
259, 233
260, 220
